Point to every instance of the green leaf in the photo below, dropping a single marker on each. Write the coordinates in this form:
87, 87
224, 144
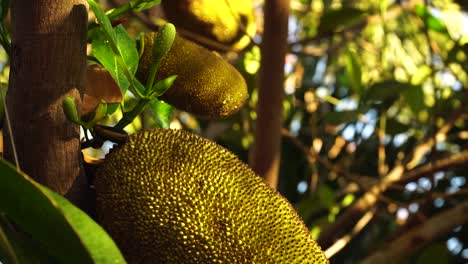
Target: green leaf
386, 90
103, 21
430, 20
140, 5
162, 113
163, 85
7, 253
111, 108
326, 196
4, 9
336, 19
337, 118
106, 56
66, 232
25, 249
414, 97
127, 48
354, 72
69, 108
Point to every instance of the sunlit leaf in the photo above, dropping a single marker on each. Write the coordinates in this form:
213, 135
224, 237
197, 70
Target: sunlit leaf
106, 56
162, 113
431, 21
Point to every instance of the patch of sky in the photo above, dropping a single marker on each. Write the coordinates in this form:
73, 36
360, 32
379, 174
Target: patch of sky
458, 181
400, 139
454, 245
349, 132
402, 213
413, 208
411, 186
320, 69
439, 202
464, 253
302, 187
424, 184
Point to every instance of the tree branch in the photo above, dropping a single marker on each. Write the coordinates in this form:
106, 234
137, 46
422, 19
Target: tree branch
48, 63
345, 221
265, 154
421, 235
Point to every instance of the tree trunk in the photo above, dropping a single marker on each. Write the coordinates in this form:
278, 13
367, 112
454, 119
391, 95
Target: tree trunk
48, 62
265, 155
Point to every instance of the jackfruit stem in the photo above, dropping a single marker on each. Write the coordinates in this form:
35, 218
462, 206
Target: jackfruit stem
128, 117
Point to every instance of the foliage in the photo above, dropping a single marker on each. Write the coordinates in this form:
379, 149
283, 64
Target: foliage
376, 102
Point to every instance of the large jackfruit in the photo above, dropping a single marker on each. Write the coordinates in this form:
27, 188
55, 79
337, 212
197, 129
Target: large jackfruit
206, 85
229, 22
168, 196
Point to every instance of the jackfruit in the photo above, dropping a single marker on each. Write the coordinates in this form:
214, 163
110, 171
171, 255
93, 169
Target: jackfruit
206, 85
229, 22
169, 196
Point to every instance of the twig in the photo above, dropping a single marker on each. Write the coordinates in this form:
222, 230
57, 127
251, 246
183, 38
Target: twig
421, 235
369, 199
343, 241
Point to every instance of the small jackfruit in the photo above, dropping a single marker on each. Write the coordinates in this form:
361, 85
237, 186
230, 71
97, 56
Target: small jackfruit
169, 196
206, 85
229, 22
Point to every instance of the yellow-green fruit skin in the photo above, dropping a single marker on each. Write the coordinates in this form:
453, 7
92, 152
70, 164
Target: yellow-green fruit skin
206, 85
229, 22
169, 196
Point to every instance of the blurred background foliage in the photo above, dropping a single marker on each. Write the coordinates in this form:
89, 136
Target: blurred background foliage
371, 87
375, 106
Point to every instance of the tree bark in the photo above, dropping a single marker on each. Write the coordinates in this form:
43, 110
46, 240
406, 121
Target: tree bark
48, 62
265, 154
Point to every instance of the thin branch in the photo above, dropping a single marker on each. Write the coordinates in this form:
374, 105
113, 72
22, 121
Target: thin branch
342, 242
370, 198
457, 159
421, 235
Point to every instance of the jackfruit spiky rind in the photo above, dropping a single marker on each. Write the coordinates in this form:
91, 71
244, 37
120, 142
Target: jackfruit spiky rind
168, 196
206, 84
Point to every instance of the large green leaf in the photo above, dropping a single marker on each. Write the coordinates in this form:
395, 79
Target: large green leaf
106, 56
68, 234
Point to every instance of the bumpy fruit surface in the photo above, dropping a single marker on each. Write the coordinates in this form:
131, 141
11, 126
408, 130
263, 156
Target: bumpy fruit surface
230, 22
168, 196
206, 85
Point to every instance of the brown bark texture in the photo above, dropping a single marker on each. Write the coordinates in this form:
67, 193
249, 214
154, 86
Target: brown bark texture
48, 62
265, 155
